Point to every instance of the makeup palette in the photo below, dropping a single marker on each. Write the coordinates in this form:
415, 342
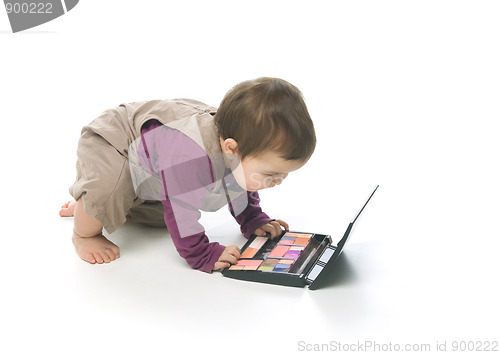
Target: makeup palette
292, 259
285, 260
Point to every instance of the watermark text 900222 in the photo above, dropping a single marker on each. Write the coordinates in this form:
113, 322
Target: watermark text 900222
370, 345
29, 8
25, 14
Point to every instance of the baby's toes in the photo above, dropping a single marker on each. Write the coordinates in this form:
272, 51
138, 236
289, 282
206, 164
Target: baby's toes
64, 212
106, 257
68, 209
114, 252
89, 257
98, 258
109, 255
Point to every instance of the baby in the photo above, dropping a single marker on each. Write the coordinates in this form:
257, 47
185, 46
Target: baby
160, 162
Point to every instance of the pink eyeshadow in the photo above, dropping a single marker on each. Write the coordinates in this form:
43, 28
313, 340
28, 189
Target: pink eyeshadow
251, 267
236, 267
279, 251
248, 262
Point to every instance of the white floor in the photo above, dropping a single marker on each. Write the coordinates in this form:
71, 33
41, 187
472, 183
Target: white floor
401, 96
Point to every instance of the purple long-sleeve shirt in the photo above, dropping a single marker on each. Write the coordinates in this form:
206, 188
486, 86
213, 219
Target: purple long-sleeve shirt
187, 176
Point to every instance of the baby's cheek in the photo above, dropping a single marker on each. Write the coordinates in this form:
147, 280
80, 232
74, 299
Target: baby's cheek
253, 181
239, 176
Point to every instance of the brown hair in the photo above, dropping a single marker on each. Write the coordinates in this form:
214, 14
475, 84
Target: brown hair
267, 114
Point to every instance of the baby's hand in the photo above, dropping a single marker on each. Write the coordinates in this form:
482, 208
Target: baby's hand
229, 256
273, 228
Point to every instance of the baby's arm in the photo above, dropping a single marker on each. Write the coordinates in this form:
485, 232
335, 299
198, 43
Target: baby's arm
184, 171
189, 237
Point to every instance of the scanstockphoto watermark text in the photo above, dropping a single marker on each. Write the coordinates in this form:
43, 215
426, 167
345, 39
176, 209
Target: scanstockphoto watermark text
371, 345
25, 14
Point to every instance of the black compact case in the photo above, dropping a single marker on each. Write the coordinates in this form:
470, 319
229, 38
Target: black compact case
293, 259
301, 271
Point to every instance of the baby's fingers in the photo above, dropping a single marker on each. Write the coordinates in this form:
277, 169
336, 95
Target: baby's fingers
274, 228
260, 232
219, 265
283, 224
230, 255
233, 250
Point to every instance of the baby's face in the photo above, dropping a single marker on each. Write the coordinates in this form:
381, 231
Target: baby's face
263, 171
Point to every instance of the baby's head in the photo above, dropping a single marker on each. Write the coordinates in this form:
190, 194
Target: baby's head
264, 124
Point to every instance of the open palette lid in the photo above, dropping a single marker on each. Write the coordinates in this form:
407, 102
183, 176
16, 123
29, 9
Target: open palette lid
293, 259
326, 261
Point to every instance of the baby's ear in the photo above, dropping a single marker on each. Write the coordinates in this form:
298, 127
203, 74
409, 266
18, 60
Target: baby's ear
230, 146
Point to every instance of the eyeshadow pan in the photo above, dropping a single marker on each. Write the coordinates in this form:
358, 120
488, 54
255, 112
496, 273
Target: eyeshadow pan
301, 241
236, 267
248, 262
281, 267
298, 235
249, 253
279, 251
254, 247
264, 267
292, 254
258, 242
246, 265
251, 267
268, 265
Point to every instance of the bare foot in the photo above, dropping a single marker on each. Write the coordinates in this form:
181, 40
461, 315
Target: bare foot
96, 249
68, 209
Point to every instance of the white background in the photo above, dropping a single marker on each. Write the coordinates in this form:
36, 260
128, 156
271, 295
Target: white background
402, 94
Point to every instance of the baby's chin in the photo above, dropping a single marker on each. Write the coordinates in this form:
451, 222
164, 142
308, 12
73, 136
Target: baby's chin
251, 188
256, 188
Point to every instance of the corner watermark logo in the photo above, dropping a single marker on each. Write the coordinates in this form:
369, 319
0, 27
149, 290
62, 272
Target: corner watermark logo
28, 14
